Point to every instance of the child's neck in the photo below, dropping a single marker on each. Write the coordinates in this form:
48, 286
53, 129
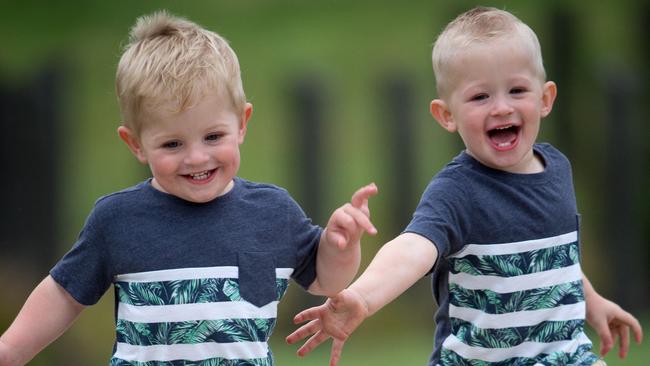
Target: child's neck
537, 164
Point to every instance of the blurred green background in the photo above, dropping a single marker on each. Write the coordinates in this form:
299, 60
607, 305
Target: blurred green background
367, 66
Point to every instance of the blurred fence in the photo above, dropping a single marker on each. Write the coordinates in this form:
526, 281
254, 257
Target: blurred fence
31, 115
598, 121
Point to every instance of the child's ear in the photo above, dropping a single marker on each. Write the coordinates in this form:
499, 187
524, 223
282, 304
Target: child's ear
132, 142
548, 97
243, 125
441, 113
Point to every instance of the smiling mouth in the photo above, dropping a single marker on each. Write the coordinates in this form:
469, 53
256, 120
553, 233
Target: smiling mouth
200, 176
504, 137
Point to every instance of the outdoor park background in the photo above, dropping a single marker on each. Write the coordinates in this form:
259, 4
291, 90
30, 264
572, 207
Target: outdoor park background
340, 92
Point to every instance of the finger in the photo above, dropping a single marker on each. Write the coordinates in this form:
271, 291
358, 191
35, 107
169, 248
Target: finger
629, 320
312, 343
304, 331
337, 239
307, 314
361, 196
335, 355
341, 219
606, 341
360, 219
624, 341
638, 332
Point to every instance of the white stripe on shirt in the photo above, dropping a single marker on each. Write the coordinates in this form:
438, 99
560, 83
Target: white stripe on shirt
516, 247
191, 352
517, 283
526, 349
197, 311
520, 318
192, 274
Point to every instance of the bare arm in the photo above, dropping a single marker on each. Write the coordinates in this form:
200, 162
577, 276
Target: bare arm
339, 250
395, 268
47, 313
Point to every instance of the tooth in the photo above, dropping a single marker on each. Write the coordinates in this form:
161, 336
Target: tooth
199, 176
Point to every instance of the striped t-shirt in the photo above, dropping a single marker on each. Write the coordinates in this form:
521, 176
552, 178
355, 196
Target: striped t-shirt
195, 284
507, 280
192, 315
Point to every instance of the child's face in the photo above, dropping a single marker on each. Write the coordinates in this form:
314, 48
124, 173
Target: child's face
194, 154
496, 104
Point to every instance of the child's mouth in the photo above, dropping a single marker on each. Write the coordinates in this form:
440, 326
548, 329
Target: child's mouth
504, 137
200, 177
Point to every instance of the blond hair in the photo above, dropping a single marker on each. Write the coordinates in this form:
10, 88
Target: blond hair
479, 26
170, 60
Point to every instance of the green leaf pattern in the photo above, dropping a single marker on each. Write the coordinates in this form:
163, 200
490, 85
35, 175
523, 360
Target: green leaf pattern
490, 302
205, 290
508, 265
267, 361
581, 357
192, 332
544, 332
195, 291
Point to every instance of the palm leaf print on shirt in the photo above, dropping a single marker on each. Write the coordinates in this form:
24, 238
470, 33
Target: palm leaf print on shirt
509, 265
496, 303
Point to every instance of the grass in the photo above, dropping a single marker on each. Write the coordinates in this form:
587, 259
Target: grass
383, 348
388, 347
403, 351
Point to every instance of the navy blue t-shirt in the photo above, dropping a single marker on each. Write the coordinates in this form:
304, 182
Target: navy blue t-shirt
194, 282
507, 278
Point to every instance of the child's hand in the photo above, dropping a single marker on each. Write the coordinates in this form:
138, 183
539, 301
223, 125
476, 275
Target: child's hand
337, 318
348, 222
610, 321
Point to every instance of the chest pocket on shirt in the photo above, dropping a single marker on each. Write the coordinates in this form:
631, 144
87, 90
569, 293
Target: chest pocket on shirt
257, 283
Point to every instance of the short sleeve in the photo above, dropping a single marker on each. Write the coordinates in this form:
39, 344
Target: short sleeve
305, 237
441, 215
82, 271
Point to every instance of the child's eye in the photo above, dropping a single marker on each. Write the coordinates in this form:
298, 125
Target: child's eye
171, 144
517, 90
479, 97
213, 136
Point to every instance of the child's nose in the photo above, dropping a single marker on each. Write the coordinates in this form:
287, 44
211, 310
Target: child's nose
196, 156
501, 106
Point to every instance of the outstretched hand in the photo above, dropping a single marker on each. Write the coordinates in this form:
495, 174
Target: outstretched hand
610, 321
348, 222
337, 318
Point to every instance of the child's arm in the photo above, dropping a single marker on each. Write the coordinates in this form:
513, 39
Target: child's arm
339, 252
47, 313
610, 321
395, 268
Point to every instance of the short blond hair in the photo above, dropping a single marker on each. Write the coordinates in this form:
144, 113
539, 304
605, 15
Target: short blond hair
170, 60
478, 26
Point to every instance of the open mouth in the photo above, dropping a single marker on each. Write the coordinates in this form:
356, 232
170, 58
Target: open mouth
200, 177
504, 137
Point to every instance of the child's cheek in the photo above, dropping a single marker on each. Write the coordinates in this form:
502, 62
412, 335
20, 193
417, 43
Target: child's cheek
164, 165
